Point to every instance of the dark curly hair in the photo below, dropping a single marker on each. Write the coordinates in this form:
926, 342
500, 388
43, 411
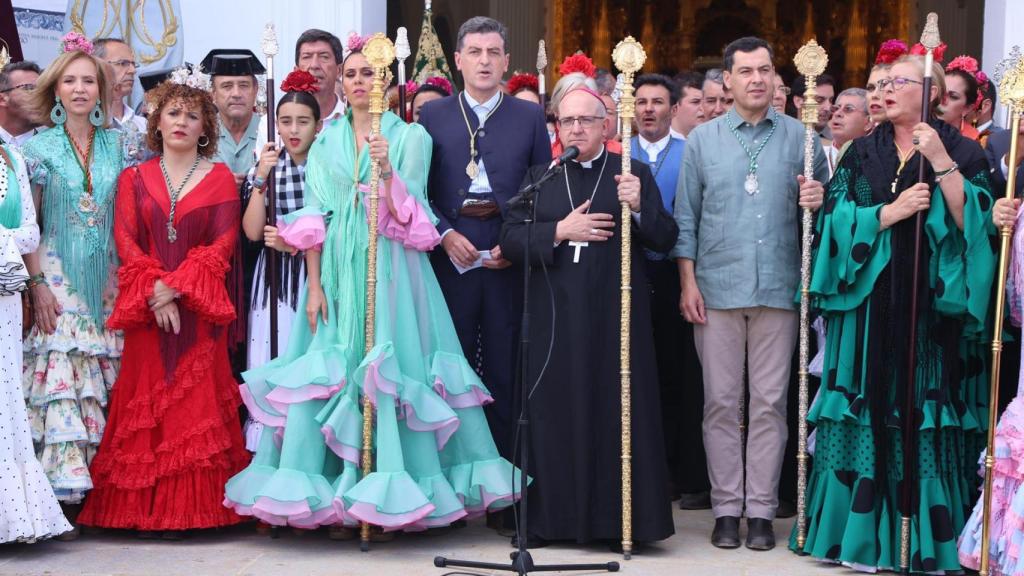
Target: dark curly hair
168, 92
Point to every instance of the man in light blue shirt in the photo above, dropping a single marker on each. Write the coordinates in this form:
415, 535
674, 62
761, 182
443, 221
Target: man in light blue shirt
738, 207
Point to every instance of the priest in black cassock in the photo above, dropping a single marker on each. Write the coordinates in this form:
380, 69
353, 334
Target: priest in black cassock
575, 407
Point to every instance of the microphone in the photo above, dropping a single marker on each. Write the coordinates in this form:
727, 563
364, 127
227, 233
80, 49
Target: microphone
570, 153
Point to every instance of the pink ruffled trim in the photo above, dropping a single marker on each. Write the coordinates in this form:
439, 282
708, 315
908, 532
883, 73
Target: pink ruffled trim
343, 451
438, 522
304, 233
374, 381
411, 225
259, 414
475, 396
490, 499
277, 513
366, 512
281, 398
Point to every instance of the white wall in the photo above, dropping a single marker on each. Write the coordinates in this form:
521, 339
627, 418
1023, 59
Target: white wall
1002, 17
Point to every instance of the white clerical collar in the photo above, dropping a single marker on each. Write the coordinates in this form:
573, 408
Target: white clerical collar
676, 134
487, 106
985, 126
655, 147
590, 163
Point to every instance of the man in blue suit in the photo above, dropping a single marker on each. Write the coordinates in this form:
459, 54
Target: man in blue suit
484, 143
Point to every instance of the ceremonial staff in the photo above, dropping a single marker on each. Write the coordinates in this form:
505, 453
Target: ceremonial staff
270, 255
629, 57
930, 40
380, 53
1011, 89
542, 64
402, 51
810, 61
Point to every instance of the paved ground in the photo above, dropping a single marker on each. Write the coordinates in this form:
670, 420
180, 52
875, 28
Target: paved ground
242, 552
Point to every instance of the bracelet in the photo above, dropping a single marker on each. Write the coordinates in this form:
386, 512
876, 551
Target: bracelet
36, 280
259, 183
940, 175
387, 175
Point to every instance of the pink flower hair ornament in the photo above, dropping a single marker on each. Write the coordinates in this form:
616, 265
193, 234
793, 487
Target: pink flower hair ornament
75, 42
354, 43
970, 65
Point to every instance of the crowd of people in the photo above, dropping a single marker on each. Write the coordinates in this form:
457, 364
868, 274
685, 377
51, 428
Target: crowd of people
140, 391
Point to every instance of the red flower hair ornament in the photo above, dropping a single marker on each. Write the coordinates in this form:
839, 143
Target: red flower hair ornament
937, 54
523, 81
969, 65
578, 62
300, 81
890, 51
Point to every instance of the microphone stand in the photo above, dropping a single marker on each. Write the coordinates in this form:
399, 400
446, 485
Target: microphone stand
522, 562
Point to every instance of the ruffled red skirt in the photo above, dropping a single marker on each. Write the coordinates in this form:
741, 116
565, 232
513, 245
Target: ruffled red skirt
171, 444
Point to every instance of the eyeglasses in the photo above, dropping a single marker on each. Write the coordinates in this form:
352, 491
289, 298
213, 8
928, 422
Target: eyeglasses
784, 89
586, 122
847, 109
124, 63
897, 83
25, 87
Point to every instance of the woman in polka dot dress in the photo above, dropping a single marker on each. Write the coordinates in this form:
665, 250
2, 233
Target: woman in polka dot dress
28, 507
862, 281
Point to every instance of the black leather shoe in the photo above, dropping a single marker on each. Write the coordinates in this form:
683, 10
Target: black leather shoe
695, 500
726, 533
760, 534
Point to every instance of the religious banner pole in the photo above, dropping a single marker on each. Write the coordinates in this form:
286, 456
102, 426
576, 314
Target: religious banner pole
1011, 90
930, 40
270, 256
380, 53
810, 61
542, 65
629, 57
402, 51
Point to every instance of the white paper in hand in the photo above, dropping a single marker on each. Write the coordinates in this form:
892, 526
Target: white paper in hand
484, 255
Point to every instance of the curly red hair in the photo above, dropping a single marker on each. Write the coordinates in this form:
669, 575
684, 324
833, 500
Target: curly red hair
169, 92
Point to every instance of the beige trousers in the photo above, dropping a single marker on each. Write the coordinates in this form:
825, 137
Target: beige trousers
767, 338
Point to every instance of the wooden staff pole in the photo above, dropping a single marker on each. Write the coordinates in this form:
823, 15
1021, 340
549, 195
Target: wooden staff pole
270, 255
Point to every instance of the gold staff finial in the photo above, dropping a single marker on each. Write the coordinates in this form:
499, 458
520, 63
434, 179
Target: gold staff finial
629, 57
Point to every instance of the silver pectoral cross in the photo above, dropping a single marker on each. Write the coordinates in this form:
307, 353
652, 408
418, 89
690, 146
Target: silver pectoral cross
576, 253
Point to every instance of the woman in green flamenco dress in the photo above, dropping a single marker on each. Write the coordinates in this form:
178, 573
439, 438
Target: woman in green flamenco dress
862, 283
436, 461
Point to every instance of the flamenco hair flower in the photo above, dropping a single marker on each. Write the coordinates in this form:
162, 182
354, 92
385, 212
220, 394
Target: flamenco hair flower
193, 78
300, 81
441, 82
523, 81
578, 62
937, 54
970, 65
355, 42
890, 51
73, 41
411, 87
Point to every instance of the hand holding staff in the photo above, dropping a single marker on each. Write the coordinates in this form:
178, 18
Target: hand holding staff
629, 57
380, 53
811, 61
1011, 88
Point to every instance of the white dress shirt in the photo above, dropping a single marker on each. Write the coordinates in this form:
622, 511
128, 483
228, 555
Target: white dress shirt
481, 184
654, 148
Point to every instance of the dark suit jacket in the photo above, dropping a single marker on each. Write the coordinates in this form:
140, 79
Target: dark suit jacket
998, 146
516, 138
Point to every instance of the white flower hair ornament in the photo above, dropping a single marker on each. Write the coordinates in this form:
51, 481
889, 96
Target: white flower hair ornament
193, 78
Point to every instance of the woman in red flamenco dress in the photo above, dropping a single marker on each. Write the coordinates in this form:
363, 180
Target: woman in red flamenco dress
173, 438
